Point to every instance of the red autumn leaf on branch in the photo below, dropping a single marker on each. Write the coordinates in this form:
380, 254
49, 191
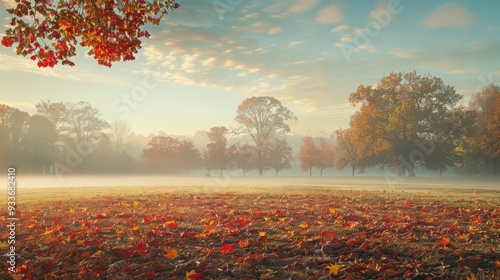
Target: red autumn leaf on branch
51, 30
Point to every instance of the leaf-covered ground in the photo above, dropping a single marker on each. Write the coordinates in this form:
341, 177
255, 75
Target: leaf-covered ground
330, 234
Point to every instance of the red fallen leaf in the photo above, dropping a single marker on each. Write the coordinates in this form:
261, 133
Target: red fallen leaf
128, 270
150, 274
471, 262
170, 223
193, 275
93, 242
141, 248
188, 234
202, 266
98, 271
226, 248
127, 254
146, 220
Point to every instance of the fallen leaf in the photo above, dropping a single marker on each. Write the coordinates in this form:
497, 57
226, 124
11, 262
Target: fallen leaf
226, 248
170, 253
333, 269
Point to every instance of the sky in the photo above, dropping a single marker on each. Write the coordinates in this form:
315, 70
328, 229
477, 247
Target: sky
209, 55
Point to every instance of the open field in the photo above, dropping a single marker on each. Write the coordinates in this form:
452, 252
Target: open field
258, 228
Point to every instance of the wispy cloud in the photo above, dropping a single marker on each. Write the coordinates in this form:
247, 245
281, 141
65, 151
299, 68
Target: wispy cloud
9, 4
264, 27
295, 43
330, 14
404, 53
340, 28
449, 15
302, 6
23, 106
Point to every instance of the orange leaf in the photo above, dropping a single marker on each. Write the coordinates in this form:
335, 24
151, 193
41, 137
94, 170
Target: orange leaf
242, 244
170, 253
444, 241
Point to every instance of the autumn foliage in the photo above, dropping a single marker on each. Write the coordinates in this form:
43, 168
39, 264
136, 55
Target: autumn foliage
49, 31
331, 233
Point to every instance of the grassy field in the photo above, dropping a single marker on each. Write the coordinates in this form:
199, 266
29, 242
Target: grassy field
273, 231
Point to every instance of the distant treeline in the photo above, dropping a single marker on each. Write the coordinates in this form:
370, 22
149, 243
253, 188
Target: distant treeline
406, 121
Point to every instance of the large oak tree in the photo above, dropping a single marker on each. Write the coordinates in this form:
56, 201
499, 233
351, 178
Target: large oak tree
406, 114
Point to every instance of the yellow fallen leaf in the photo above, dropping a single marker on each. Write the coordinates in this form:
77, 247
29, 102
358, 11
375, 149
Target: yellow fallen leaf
472, 277
333, 269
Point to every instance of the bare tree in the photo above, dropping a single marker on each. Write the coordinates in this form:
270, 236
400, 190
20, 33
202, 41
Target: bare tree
120, 136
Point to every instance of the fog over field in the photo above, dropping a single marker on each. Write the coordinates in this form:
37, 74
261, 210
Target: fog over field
219, 183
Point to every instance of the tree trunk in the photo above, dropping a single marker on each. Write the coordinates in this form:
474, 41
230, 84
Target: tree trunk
352, 169
411, 173
259, 162
495, 171
310, 171
244, 173
276, 172
439, 171
321, 172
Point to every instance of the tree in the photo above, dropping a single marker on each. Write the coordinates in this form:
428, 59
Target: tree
309, 154
188, 156
244, 155
483, 140
216, 149
39, 141
13, 126
405, 114
120, 136
279, 155
262, 118
83, 123
160, 155
326, 155
49, 31
54, 112
349, 149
